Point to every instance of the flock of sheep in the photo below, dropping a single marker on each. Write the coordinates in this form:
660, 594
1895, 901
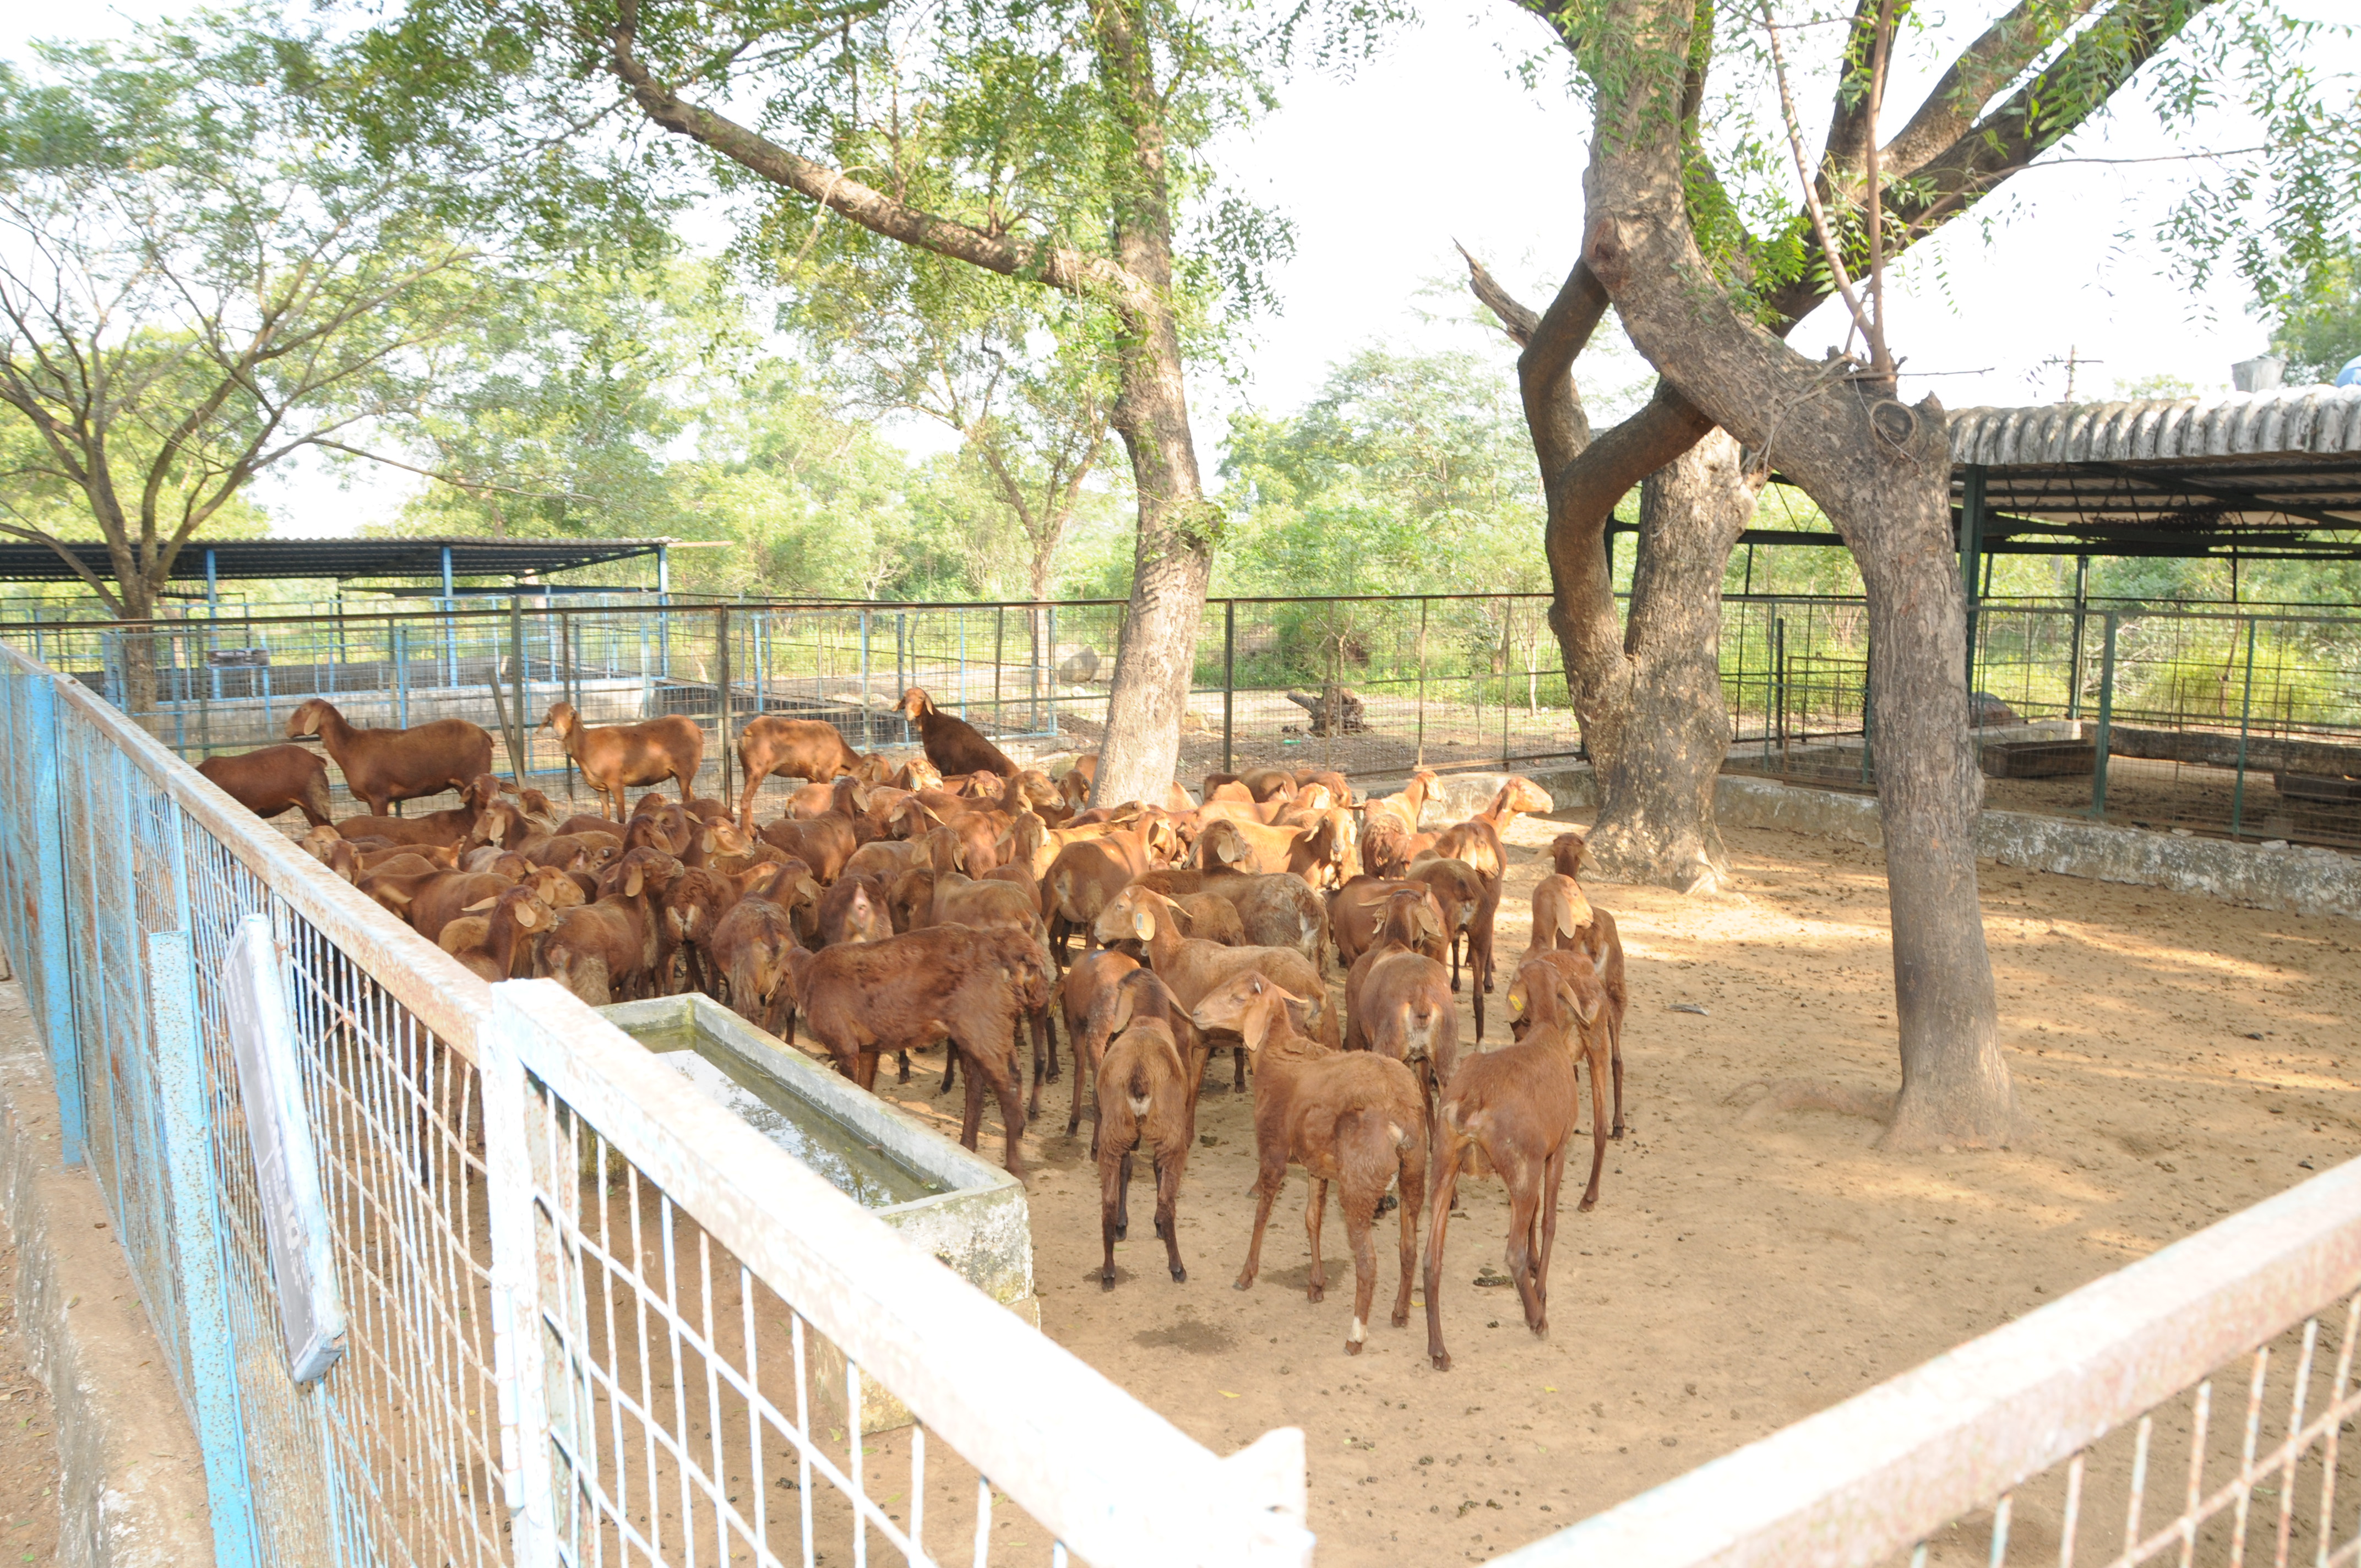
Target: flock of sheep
893, 907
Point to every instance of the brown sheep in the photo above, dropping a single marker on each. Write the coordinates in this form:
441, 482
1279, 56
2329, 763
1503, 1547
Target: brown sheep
953, 745
1566, 851
1145, 1098
1398, 999
1351, 1118
611, 945
1510, 1113
1477, 842
1459, 890
809, 749
1356, 913
846, 799
1191, 969
854, 910
1278, 911
824, 843
273, 781
381, 766
451, 826
501, 937
862, 1000
617, 757
1089, 872
751, 946
1087, 979
1559, 912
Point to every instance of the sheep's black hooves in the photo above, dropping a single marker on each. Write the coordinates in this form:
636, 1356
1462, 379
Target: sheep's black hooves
1123, 1232
1617, 1133
1442, 1360
1053, 1076
1237, 1089
1107, 1280
1454, 983
904, 1076
1488, 985
1388, 1204
1179, 1277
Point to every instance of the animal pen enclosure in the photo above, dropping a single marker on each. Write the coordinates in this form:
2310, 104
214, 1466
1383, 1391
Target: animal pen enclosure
581, 1304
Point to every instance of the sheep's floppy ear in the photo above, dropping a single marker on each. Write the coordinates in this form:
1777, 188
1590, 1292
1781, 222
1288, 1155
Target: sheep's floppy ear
1143, 925
1429, 924
480, 905
1301, 1010
528, 916
1123, 1010
809, 888
634, 878
1583, 1005
1567, 923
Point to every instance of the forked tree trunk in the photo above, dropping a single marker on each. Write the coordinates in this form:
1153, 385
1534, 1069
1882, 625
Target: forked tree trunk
1881, 471
1661, 728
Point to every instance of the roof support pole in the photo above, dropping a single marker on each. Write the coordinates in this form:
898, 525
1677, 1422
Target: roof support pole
1971, 549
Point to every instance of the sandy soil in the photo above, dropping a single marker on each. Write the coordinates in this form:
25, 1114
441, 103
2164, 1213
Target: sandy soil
28, 1454
2182, 1060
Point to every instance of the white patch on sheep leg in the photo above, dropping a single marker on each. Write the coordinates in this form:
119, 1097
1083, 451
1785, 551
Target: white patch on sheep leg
1360, 1332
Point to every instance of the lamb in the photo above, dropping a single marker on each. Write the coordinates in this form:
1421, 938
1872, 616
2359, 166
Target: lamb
809, 749
953, 745
1511, 1112
615, 757
1353, 1118
382, 766
273, 781
1152, 1104
864, 999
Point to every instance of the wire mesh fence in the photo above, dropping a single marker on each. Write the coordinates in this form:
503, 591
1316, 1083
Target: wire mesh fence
586, 1311
2247, 726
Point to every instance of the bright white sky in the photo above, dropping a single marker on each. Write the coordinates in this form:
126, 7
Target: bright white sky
1435, 142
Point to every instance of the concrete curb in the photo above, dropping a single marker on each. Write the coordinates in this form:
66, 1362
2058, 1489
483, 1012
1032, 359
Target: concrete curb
132, 1492
2299, 881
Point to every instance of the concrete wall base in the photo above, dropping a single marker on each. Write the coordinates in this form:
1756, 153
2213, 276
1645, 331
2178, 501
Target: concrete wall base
132, 1492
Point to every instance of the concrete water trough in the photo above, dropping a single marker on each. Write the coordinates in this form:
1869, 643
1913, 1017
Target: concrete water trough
968, 1212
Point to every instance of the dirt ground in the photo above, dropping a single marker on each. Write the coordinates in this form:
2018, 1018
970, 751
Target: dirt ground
2181, 1060
28, 1454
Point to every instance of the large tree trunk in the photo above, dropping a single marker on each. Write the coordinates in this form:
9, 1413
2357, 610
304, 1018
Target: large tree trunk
1662, 726
1172, 559
1881, 471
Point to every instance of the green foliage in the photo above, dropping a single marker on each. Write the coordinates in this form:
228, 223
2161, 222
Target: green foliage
2319, 321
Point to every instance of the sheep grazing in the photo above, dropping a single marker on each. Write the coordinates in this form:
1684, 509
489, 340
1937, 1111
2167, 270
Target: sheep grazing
273, 781
1352, 1118
1511, 1113
616, 757
953, 745
1146, 1097
381, 766
862, 1000
809, 749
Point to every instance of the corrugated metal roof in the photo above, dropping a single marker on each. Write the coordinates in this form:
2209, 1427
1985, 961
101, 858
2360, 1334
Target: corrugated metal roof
411, 557
2289, 420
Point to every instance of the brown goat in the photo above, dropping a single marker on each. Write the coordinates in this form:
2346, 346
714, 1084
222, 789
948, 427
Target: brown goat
973, 986
953, 745
273, 781
809, 749
1146, 1097
381, 766
1352, 1118
1510, 1113
617, 757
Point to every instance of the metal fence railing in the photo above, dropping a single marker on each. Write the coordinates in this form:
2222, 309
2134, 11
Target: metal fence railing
2244, 725
584, 1307
2189, 1409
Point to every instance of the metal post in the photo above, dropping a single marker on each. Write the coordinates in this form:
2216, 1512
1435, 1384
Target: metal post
2106, 717
2082, 607
1867, 707
1229, 682
1508, 627
722, 691
401, 641
2245, 710
999, 646
212, 613
962, 664
1971, 546
573, 697
901, 676
450, 624
196, 1225
1050, 660
51, 919
520, 749
868, 728
664, 614
1423, 606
